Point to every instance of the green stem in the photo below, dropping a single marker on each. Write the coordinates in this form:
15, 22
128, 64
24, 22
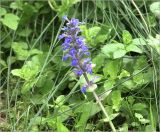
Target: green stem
101, 105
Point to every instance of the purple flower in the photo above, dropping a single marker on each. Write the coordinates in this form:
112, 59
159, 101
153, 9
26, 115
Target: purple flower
80, 41
74, 22
68, 39
74, 47
74, 62
65, 46
73, 52
89, 68
61, 36
83, 89
65, 57
64, 18
78, 72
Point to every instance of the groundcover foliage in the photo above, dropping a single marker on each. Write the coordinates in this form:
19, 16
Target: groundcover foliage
40, 92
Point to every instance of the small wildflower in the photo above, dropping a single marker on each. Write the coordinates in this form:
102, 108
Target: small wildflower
75, 48
83, 89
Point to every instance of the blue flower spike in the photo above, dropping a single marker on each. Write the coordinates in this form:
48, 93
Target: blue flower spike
75, 48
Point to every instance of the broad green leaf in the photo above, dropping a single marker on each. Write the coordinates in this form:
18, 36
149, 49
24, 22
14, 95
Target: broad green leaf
138, 41
72, 2
38, 120
93, 31
124, 128
142, 78
124, 73
111, 69
25, 33
22, 52
134, 48
3, 63
116, 50
16, 72
111, 117
109, 84
11, 21
141, 118
101, 4
88, 109
38, 99
28, 85
2, 11
130, 100
116, 100
149, 128
155, 43
127, 37
18, 4
61, 127
20, 48
60, 100
100, 38
45, 84
140, 63
99, 61
139, 106
119, 53
64, 112
129, 84
155, 8
29, 70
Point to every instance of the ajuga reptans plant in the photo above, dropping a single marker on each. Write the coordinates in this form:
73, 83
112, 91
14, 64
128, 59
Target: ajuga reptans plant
75, 49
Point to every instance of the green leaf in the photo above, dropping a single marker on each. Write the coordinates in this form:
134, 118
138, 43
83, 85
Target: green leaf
60, 100
11, 21
116, 50
38, 120
109, 84
28, 85
134, 48
88, 109
127, 37
116, 100
2, 11
138, 41
99, 61
25, 33
64, 112
140, 63
29, 70
139, 106
129, 84
21, 50
72, 2
93, 31
141, 78
61, 127
124, 73
101, 4
155, 43
119, 53
155, 8
17, 5
111, 117
149, 128
111, 69
141, 118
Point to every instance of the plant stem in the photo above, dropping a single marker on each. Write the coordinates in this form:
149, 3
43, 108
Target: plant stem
101, 105
96, 97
